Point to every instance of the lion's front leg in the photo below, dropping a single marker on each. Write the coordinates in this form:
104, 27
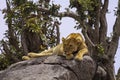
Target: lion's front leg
35, 55
81, 53
30, 56
43, 53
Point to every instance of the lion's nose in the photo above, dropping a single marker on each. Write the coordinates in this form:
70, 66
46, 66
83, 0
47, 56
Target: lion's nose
67, 53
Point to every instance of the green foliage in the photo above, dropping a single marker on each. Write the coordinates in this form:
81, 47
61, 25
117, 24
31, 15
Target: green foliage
27, 8
32, 24
4, 63
54, 9
100, 50
86, 4
87, 10
18, 2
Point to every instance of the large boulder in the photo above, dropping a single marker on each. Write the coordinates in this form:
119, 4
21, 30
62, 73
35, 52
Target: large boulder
51, 68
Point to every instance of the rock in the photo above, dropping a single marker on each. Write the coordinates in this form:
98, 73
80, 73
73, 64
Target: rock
50, 68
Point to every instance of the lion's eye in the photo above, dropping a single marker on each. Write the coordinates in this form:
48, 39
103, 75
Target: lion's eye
70, 45
65, 51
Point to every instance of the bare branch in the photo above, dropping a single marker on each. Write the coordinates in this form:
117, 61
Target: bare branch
62, 14
88, 39
105, 6
97, 24
103, 22
86, 36
57, 29
116, 35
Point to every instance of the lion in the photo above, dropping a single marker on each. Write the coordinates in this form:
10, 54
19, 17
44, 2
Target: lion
72, 47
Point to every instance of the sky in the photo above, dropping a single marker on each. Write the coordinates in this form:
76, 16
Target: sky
3, 27
67, 24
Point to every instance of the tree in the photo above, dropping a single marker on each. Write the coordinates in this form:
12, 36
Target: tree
29, 30
90, 16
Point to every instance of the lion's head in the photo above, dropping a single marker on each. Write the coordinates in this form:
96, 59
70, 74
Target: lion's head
70, 45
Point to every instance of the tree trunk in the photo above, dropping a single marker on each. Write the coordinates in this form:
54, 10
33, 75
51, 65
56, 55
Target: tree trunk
31, 41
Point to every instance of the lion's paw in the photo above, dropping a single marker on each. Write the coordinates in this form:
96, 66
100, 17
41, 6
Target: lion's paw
70, 56
78, 58
26, 58
32, 55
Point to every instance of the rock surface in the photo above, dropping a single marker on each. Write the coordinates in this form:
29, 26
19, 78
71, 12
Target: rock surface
50, 68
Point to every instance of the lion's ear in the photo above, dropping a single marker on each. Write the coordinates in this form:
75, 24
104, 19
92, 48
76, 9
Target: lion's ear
63, 39
79, 41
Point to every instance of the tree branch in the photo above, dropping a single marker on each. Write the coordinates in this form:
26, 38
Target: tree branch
23, 42
97, 11
84, 30
105, 6
62, 14
56, 24
116, 34
71, 15
115, 38
103, 22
